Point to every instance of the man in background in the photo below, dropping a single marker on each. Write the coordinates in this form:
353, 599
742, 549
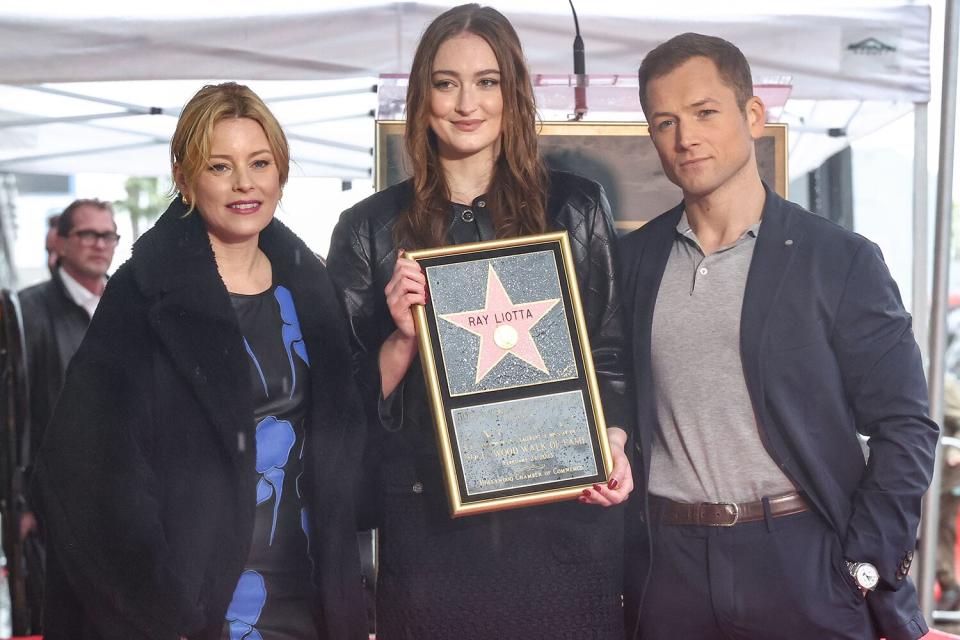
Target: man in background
56, 314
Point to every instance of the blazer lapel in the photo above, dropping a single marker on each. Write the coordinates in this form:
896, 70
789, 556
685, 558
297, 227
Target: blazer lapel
777, 243
648, 273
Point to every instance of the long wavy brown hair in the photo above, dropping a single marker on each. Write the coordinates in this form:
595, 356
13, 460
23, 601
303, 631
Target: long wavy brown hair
517, 192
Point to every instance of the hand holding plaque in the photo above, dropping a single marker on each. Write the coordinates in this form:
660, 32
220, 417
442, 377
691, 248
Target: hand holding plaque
509, 374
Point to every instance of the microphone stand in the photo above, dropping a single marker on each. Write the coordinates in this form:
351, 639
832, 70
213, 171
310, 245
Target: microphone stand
579, 71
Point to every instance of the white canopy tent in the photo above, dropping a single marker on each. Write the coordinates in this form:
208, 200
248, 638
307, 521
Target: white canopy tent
853, 69
809, 41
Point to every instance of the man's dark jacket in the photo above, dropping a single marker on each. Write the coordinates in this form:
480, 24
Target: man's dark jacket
827, 352
147, 478
53, 327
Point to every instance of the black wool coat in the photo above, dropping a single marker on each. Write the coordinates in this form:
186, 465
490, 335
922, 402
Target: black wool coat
146, 480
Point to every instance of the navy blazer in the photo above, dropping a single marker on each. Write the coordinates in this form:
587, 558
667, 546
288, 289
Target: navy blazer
828, 352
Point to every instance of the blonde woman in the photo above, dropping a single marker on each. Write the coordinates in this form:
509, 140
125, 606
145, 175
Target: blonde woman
197, 477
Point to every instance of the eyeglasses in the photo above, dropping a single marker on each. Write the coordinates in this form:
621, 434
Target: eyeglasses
88, 237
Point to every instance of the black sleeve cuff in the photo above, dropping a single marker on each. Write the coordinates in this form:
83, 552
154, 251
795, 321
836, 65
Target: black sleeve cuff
390, 409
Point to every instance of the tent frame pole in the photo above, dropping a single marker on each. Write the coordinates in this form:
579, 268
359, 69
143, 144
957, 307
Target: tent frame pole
938, 307
920, 294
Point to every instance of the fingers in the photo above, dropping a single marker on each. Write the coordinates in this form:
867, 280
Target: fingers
401, 299
604, 496
407, 277
407, 287
406, 268
618, 487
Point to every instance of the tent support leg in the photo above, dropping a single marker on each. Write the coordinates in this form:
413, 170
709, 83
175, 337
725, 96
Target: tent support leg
938, 309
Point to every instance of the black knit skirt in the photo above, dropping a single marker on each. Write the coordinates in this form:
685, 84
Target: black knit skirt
552, 571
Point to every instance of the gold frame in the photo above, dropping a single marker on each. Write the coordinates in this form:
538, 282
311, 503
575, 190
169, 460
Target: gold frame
775, 131
457, 505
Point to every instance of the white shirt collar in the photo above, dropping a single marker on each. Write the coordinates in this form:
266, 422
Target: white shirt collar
79, 293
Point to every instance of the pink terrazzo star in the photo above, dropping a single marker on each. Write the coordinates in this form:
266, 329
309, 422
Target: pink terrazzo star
503, 327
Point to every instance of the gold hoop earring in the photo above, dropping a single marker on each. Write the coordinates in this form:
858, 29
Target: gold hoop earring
184, 199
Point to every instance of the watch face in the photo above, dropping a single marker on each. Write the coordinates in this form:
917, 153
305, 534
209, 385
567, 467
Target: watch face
866, 575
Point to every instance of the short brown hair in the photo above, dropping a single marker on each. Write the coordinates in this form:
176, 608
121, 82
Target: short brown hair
517, 190
190, 145
729, 60
65, 220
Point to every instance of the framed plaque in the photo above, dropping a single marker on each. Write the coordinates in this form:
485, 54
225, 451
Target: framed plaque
509, 374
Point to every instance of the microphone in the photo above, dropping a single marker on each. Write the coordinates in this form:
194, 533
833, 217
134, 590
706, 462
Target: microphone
579, 71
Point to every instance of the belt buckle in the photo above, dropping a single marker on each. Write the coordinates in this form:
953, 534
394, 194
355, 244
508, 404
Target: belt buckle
736, 514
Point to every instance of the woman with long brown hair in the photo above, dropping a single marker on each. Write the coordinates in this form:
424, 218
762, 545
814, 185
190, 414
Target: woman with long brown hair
550, 571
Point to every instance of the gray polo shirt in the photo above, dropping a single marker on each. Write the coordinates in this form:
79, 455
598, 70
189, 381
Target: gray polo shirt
708, 446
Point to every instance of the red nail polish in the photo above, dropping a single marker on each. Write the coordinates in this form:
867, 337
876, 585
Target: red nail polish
582, 499
613, 484
586, 493
596, 488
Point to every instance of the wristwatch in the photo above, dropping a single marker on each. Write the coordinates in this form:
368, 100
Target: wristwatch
864, 574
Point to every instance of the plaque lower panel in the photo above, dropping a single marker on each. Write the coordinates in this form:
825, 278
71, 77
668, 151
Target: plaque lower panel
524, 443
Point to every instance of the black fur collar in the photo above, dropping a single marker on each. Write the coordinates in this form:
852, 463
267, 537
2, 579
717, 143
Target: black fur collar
189, 310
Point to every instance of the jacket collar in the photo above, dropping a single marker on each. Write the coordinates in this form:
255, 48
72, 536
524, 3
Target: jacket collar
778, 242
191, 313
61, 288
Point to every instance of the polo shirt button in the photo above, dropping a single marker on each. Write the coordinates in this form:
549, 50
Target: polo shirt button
417, 487
482, 203
467, 216
704, 271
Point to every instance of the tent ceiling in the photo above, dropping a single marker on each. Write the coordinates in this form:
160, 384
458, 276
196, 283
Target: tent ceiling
336, 40
131, 59
329, 124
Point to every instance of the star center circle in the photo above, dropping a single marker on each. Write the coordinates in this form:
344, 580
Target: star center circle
505, 336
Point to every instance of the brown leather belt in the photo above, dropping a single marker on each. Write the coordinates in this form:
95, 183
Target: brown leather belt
723, 514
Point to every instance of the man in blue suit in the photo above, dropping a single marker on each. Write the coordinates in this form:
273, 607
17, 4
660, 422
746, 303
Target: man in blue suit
764, 339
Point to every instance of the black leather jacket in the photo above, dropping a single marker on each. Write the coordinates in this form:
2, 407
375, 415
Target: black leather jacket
53, 328
361, 261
